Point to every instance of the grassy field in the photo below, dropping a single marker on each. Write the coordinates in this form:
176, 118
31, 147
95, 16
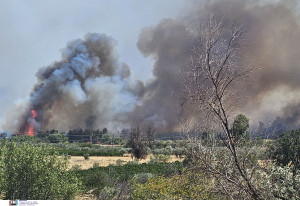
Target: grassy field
107, 160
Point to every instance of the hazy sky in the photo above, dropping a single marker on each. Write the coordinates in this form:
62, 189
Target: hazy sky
33, 32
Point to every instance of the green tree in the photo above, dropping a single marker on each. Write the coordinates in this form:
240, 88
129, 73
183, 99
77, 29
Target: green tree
56, 138
106, 139
138, 143
30, 172
240, 128
286, 149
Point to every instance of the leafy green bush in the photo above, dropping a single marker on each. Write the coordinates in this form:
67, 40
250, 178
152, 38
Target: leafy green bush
142, 178
86, 156
188, 186
108, 193
279, 183
97, 181
160, 158
286, 149
30, 172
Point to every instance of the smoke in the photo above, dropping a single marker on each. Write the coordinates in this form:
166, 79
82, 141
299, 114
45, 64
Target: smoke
273, 31
90, 88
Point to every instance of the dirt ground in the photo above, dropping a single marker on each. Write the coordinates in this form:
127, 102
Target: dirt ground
107, 160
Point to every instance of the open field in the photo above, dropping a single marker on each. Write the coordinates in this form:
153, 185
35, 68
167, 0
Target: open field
107, 160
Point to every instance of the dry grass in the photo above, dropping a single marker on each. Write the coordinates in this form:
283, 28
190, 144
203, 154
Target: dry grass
107, 160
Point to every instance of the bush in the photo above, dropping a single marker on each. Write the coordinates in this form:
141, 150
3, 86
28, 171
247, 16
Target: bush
279, 183
96, 164
86, 156
108, 193
97, 181
160, 158
120, 162
286, 149
188, 186
29, 172
142, 178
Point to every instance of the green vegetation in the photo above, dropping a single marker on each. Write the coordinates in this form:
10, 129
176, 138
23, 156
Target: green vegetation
30, 172
188, 186
127, 171
286, 149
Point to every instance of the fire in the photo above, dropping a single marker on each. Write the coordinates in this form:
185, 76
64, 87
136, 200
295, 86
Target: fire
30, 129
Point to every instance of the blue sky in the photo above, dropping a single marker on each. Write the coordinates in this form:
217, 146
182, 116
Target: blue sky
33, 32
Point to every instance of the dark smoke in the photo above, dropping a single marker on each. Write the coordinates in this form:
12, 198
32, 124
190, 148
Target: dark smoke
90, 88
87, 88
273, 32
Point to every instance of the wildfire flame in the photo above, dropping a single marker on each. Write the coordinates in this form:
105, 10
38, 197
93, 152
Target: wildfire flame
30, 129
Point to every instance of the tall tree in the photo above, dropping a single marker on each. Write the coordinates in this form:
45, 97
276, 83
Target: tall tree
138, 142
213, 84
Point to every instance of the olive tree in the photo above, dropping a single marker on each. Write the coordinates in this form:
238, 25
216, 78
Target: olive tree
31, 172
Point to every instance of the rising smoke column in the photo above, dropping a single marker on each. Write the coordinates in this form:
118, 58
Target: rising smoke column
273, 30
88, 88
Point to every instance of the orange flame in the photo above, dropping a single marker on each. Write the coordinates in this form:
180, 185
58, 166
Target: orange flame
30, 129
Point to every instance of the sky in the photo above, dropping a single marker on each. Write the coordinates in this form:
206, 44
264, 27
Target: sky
34, 32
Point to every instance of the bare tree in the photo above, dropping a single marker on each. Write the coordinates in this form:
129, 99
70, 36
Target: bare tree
214, 84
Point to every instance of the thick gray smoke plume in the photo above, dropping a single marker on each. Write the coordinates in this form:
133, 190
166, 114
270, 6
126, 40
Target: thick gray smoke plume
89, 88
274, 45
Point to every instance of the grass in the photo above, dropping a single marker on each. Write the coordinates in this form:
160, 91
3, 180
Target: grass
104, 161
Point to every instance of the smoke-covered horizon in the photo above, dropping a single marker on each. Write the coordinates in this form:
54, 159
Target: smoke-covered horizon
91, 88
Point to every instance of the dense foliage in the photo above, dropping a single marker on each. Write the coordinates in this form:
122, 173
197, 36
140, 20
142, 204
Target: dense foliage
188, 186
286, 149
279, 183
30, 172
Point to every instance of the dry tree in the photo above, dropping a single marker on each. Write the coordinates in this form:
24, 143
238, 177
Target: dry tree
213, 84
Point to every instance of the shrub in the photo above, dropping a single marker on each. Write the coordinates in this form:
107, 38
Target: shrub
96, 164
108, 193
29, 172
142, 178
286, 149
161, 158
97, 181
279, 183
189, 186
86, 156
120, 162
